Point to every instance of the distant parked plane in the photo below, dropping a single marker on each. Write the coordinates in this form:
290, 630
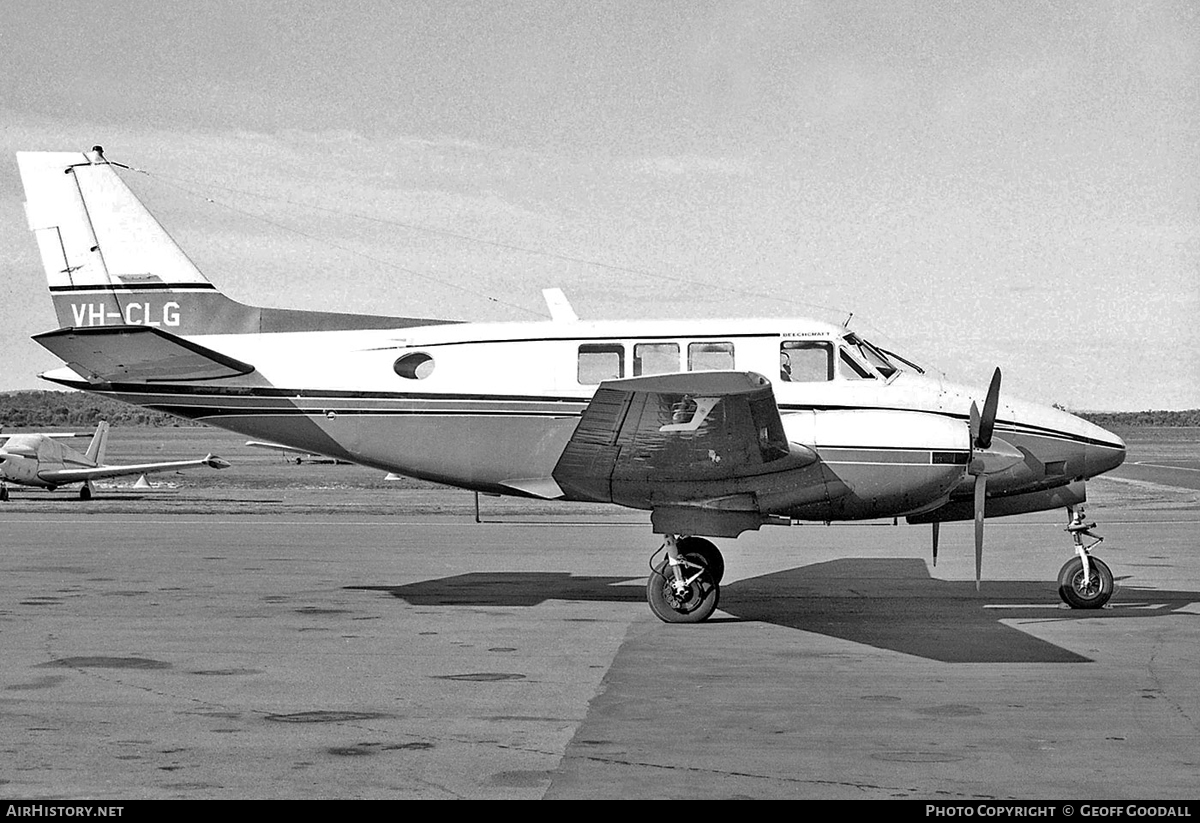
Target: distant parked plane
41, 460
293, 454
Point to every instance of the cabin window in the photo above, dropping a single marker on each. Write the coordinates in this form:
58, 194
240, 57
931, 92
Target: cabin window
805, 361
710, 356
655, 358
601, 361
415, 366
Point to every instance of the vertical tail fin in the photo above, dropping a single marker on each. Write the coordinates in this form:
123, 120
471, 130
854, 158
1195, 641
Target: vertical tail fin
99, 445
108, 261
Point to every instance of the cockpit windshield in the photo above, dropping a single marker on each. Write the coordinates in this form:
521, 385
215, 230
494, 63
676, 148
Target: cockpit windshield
877, 357
903, 362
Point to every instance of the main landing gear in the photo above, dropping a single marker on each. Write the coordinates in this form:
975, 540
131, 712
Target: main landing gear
686, 585
1084, 582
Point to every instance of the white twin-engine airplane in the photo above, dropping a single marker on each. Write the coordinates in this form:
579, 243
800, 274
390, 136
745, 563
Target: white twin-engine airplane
715, 427
41, 460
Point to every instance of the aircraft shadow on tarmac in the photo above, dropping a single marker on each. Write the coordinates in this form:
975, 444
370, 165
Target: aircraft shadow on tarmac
889, 604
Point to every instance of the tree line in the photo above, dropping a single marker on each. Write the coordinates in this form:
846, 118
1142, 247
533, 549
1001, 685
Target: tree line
69, 409
1157, 419
52, 409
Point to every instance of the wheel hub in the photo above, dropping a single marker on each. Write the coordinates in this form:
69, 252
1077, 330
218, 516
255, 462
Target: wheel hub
681, 600
1091, 588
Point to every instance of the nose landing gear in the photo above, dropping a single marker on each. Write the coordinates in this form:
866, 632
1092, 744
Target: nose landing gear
1084, 582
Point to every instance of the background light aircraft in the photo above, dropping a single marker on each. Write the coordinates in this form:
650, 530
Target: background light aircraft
715, 427
292, 454
42, 460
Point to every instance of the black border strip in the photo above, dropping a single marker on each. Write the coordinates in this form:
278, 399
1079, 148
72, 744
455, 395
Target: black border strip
102, 289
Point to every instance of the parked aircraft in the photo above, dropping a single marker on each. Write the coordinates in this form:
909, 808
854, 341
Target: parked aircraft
292, 454
675, 417
42, 460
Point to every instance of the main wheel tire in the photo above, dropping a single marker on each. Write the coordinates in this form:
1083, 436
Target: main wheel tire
85, 492
696, 604
710, 555
1099, 587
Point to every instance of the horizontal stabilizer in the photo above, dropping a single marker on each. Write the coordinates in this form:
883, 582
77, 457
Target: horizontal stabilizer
137, 354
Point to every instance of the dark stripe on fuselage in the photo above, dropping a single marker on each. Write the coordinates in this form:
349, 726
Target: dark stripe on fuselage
889, 455
334, 395
1001, 425
576, 338
199, 412
148, 286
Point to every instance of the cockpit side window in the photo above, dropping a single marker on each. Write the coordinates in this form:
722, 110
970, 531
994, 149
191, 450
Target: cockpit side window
805, 361
851, 369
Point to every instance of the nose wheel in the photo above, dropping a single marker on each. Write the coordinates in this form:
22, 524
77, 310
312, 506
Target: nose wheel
1084, 582
1085, 590
685, 586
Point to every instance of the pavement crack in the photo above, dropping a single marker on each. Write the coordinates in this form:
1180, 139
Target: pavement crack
799, 781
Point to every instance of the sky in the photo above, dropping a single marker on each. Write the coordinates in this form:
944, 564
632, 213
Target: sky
1007, 184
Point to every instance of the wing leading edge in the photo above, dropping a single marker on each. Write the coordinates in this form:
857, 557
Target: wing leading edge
101, 472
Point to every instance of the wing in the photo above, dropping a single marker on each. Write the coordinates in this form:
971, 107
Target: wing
300, 454
100, 472
106, 354
262, 444
51, 435
706, 452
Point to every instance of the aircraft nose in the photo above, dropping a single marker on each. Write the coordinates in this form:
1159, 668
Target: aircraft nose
1083, 448
1104, 452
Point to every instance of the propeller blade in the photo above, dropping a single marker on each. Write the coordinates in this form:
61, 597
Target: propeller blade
980, 496
974, 424
935, 541
991, 404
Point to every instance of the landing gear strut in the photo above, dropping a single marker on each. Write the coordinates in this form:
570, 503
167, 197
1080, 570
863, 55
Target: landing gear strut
1084, 582
685, 586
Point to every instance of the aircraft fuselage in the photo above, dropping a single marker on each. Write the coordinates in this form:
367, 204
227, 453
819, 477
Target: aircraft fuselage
491, 407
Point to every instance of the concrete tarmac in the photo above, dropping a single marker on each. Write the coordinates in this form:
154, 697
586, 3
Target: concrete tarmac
158, 655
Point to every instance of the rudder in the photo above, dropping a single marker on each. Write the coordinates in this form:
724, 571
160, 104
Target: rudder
109, 262
98, 448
